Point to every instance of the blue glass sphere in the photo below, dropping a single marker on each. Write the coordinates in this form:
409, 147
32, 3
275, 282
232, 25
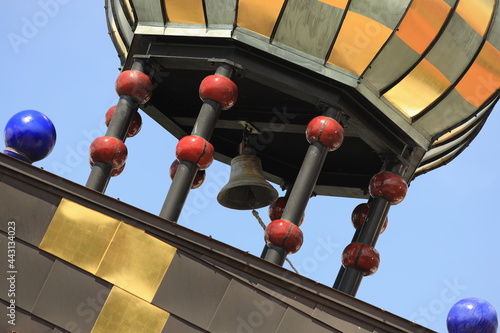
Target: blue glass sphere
29, 134
472, 315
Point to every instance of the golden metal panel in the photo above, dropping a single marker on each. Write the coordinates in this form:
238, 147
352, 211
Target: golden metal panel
422, 23
79, 235
185, 11
422, 86
359, 40
336, 3
136, 261
259, 15
125, 313
483, 77
477, 13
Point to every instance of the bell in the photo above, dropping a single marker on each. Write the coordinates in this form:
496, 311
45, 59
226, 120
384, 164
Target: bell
247, 188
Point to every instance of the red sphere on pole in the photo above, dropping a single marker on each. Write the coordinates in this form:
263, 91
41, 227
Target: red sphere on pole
135, 124
198, 179
359, 215
325, 130
118, 171
284, 234
389, 186
136, 84
220, 89
110, 150
195, 149
277, 208
361, 256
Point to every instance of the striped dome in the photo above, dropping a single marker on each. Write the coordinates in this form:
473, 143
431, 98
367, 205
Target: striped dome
431, 66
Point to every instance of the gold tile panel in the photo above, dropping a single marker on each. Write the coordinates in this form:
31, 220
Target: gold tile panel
136, 261
125, 313
185, 11
336, 3
422, 23
79, 235
259, 15
106, 247
422, 86
483, 77
359, 40
477, 13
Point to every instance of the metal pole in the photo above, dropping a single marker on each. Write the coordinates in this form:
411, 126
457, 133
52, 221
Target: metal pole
342, 268
125, 109
349, 278
369, 232
302, 189
184, 176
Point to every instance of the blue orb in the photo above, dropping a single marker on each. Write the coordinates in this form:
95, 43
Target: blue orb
30, 134
472, 315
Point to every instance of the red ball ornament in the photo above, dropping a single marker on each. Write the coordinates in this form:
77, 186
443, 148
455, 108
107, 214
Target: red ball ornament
136, 84
220, 89
114, 172
135, 124
118, 171
361, 256
325, 130
277, 208
389, 186
196, 150
110, 150
284, 234
359, 215
198, 179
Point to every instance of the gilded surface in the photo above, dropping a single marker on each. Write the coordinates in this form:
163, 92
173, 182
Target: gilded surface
422, 86
359, 40
422, 23
483, 77
259, 16
136, 261
117, 252
477, 13
125, 313
185, 11
79, 235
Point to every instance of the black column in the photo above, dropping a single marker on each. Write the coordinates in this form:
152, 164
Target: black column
302, 189
184, 176
127, 105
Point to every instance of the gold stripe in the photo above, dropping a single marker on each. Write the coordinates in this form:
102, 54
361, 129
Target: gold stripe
117, 252
477, 13
336, 3
185, 11
359, 40
125, 313
79, 235
136, 261
483, 77
259, 15
422, 86
422, 23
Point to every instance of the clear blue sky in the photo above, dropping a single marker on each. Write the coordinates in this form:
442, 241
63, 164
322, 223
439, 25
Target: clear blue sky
441, 244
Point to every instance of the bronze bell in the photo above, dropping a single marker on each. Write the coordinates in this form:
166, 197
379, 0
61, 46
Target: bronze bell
247, 188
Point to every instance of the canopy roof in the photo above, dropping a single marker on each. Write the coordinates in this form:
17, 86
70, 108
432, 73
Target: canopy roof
427, 70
